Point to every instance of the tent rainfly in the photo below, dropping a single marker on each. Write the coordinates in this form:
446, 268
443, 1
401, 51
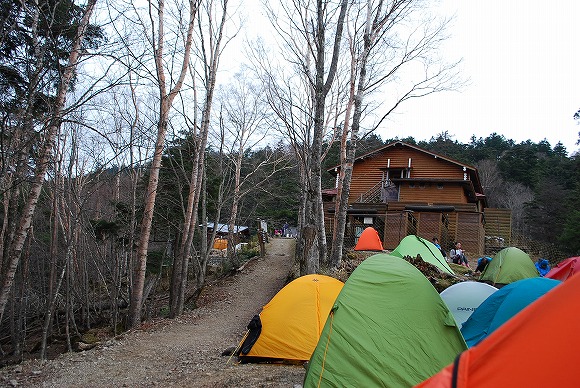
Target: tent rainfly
463, 298
502, 305
535, 348
413, 245
565, 269
388, 328
369, 240
288, 327
509, 265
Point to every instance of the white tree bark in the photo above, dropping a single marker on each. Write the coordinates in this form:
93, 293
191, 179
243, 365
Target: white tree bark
210, 61
378, 33
166, 97
46, 153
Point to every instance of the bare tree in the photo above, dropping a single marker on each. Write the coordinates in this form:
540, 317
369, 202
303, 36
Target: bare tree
310, 32
381, 49
491, 181
168, 90
515, 196
45, 154
245, 114
68, 184
210, 50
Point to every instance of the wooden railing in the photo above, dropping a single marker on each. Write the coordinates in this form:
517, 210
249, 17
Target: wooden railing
380, 193
373, 195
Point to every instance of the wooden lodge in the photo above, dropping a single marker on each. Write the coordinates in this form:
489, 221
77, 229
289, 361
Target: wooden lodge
401, 189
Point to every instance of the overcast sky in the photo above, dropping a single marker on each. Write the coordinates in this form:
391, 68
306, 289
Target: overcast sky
523, 61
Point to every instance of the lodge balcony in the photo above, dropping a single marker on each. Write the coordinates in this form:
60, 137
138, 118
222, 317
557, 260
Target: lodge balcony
449, 191
382, 192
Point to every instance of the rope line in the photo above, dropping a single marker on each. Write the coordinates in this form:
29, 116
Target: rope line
326, 348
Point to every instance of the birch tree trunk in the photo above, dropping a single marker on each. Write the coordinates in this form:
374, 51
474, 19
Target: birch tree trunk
322, 86
381, 19
181, 262
45, 153
165, 103
348, 148
340, 220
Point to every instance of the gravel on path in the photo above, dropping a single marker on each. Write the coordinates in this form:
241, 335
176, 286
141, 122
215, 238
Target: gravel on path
181, 352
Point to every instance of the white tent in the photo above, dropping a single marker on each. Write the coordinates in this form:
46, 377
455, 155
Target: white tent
463, 298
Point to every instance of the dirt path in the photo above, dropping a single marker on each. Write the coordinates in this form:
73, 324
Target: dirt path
184, 352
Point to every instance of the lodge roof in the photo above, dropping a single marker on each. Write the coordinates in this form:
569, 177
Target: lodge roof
374, 153
398, 143
224, 228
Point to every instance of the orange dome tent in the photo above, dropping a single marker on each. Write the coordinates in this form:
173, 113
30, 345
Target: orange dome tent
538, 347
369, 240
565, 269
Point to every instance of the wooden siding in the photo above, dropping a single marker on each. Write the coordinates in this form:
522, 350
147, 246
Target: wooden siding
498, 228
470, 234
430, 193
427, 166
400, 206
368, 173
430, 225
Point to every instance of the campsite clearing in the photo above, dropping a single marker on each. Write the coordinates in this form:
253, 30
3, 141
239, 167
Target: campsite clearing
183, 352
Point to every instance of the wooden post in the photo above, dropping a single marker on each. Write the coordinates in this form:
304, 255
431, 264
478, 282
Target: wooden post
262, 242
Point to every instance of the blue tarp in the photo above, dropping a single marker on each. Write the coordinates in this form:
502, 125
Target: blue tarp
543, 266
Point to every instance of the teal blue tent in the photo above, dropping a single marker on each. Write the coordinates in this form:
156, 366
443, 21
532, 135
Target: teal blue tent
388, 328
413, 245
503, 304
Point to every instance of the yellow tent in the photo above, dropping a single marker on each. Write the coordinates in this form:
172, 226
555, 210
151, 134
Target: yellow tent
290, 324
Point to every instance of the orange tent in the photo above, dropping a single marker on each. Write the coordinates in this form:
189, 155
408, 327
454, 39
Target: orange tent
538, 347
565, 269
369, 240
289, 326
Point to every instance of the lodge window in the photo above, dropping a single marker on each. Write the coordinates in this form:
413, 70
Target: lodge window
394, 173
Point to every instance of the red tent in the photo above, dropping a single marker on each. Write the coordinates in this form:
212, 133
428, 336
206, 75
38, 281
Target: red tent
538, 347
369, 240
565, 269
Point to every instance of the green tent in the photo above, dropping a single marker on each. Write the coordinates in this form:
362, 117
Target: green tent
414, 245
388, 328
509, 265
